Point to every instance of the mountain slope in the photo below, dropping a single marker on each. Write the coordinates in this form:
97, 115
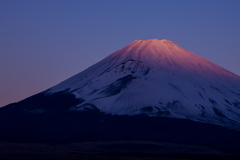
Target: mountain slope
158, 78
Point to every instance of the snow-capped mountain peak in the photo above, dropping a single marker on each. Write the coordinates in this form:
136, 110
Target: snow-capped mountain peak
158, 78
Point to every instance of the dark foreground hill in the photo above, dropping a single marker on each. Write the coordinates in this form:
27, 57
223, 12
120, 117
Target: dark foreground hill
64, 126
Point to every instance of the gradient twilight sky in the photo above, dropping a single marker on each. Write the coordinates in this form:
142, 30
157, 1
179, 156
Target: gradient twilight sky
43, 42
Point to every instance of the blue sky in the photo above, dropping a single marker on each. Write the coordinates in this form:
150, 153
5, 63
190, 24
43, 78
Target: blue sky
43, 42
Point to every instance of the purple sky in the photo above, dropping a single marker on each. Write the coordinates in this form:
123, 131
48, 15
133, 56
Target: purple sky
43, 42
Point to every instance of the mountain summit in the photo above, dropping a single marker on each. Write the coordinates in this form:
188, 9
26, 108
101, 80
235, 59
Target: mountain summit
157, 78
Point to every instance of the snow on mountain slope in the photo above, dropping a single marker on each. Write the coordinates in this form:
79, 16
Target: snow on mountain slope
158, 78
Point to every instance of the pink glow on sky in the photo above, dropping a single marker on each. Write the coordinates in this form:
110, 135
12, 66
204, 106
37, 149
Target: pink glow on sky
45, 42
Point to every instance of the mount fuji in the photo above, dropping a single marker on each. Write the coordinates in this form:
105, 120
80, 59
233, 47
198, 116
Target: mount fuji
157, 78
153, 86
